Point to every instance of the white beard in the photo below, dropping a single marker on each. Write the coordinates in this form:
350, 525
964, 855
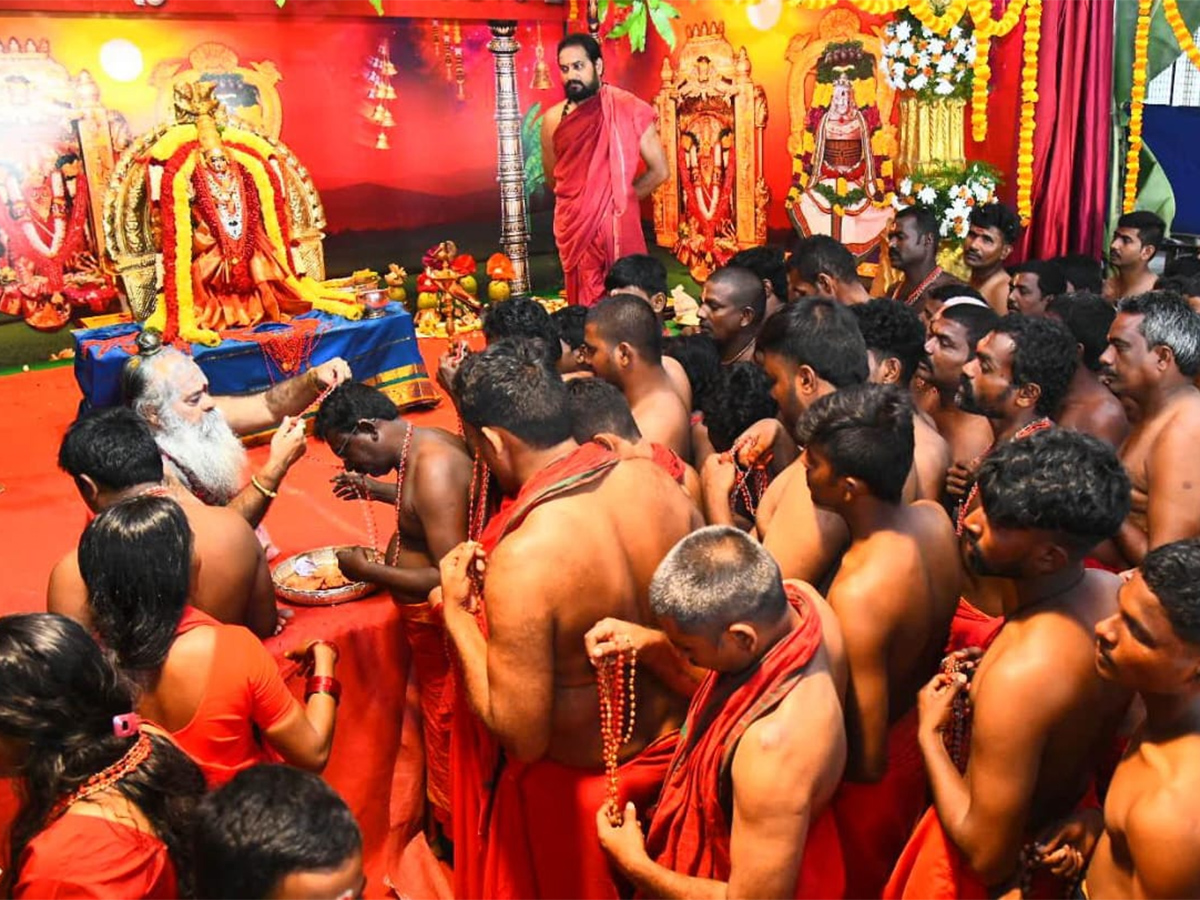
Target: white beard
209, 450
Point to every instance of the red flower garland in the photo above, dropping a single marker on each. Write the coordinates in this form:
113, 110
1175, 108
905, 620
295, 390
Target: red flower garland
51, 266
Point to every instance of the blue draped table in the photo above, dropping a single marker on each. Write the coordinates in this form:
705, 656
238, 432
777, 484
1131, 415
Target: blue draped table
382, 352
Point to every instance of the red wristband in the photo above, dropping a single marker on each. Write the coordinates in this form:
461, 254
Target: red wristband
323, 684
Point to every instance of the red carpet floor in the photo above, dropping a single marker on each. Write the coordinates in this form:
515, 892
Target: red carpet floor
41, 515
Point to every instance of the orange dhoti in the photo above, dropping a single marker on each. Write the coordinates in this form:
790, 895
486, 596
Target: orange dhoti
542, 838
875, 820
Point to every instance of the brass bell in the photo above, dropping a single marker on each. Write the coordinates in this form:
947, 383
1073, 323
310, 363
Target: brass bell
381, 142
541, 74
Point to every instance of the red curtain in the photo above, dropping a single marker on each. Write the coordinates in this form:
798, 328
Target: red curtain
1074, 120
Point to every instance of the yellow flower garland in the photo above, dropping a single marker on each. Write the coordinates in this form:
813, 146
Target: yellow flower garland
1182, 35
1137, 99
1029, 97
928, 17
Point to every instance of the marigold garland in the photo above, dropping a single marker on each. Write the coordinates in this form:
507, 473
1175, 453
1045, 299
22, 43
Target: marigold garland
1182, 35
1028, 121
1137, 99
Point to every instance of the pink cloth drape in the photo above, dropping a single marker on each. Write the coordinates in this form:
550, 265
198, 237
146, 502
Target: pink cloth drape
1074, 120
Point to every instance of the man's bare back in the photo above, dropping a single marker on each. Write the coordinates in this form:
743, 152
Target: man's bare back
1037, 693
931, 460
232, 580
995, 290
1091, 408
804, 540
576, 560
897, 588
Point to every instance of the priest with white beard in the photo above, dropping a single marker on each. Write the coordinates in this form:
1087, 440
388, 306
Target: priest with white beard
198, 433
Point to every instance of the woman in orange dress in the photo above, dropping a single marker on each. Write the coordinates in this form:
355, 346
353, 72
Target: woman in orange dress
105, 805
213, 686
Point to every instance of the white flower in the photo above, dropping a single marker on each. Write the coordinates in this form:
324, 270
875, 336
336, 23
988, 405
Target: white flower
955, 33
943, 87
969, 54
918, 82
922, 60
907, 49
946, 64
981, 190
897, 203
960, 75
903, 31
927, 195
961, 227
906, 186
937, 46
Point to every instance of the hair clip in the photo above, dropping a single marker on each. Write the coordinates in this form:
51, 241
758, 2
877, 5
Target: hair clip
126, 724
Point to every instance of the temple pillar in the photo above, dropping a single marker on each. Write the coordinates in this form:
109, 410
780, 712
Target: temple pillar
514, 228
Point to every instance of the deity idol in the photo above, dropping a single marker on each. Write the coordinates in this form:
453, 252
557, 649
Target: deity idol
841, 183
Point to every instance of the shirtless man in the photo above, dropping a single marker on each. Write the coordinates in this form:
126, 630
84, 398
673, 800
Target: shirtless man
112, 456
1041, 717
1089, 406
599, 411
953, 337
774, 765
821, 266
623, 345
1135, 242
895, 341
198, 433
733, 305
364, 429
768, 264
1152, 358
991, 232
912, 249
1147, 843
529, 682
894, 594
1032, 285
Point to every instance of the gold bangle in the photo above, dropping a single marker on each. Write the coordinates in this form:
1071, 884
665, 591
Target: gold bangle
269, 494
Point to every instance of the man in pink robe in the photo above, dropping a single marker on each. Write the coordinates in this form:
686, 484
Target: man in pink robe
592, 143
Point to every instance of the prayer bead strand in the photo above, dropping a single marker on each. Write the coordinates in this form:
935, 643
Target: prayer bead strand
617, 693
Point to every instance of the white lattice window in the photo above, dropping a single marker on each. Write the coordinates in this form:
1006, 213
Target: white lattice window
1178, 85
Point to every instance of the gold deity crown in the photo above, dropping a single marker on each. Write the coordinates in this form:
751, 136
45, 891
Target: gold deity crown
194, 99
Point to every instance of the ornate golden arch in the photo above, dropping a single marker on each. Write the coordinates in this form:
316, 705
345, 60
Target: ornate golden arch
802, 54
235, 84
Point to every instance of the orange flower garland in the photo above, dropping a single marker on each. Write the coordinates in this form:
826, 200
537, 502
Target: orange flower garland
928, 17
1182, 35
1029, 97
1137, 99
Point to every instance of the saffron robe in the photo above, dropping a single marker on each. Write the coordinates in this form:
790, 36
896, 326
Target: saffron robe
875, 820
597, 219
972, 627
475, 758
691, 829
86, 856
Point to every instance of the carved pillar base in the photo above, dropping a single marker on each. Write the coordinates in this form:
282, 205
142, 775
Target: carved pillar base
931, 132
514, 228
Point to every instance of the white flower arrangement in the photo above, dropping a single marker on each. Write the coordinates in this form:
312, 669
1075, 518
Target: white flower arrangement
921, 62
951, 194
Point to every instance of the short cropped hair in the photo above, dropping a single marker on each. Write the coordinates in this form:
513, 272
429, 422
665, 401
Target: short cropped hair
1167, 321
892, 330
347, 405
1088, 317
510, 385
820, 333
1083, 273
1051, 281
1172, 572
866, 432
590, 45
1043, 354
715, 577
1057, 480
739, 397
113, 447
570, 322
700, 359
819, 255
598, 407
521, 317
1151, 228
626, 319
999, 216
265, 823
952, 289
924, 219
767, 263
748, 290
639, 270
977, 320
